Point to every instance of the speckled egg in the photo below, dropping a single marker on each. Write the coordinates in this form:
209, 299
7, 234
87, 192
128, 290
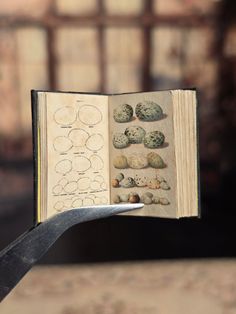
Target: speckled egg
156, 200
137, 161
153, 184
123, 113
127, 182
155, 161
148, 111
140, 180
135, 134
154, 139
164, 185
120, 176
120, 140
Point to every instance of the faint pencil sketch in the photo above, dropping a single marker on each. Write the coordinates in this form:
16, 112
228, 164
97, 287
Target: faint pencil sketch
78, 137
65, 116
89, 115
95, 142
64, 166
81, 163
96, 162
62, 144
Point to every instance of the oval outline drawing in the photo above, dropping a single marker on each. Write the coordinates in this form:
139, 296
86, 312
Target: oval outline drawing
71, 121
82, 131
75, 162
93, 108
101, 139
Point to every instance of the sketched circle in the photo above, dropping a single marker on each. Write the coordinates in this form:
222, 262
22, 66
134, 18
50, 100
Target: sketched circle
87, 201
71, 187
103, 186
65, 115
95, 142
89, 115
63, 181
59, 205
57, 189
95, 185
83, 184
68, 203
62, 144
96, 162
78, 137
64, 166
81, 164
99, 178
104, 200
72, 176
77, 203
97, 201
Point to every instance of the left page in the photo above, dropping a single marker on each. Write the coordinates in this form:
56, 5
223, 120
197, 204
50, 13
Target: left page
76, 151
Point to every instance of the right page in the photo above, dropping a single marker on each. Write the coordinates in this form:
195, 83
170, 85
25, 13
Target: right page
142, 152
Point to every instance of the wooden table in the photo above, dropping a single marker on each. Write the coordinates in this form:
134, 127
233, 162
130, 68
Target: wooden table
173, 287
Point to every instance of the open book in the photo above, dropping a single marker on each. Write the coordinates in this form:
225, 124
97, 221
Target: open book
105, 149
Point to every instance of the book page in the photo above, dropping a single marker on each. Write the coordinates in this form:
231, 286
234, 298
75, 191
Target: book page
142, 152
77, 151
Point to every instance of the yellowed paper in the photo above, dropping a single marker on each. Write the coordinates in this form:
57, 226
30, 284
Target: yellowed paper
77, 151
156, 187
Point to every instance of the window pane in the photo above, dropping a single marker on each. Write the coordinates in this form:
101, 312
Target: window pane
34, 8
124, 6
124, 56
74, 7
32, 68
77, 56
166, 57
183, 7
182, 56
9, 117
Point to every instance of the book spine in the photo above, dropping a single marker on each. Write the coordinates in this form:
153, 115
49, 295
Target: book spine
34, 109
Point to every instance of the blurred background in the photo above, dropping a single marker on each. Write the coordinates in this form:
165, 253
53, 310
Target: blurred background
120, 46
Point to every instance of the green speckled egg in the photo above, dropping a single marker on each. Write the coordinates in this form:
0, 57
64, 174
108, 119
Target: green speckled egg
154, 139
155, 161
123, 113
135, 134
148, 111
120, 140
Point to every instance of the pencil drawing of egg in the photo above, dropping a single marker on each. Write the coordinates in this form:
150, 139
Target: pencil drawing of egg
95, 142
104, 200
96, 162
81, 164
59, 205
77, 203
57, 189
99, 178
78, 137
63, 182
88, 201
83, 184
95, 185
64, 166
71, 187
62, 144
68, 203
97, 201
65, 115
89, 115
